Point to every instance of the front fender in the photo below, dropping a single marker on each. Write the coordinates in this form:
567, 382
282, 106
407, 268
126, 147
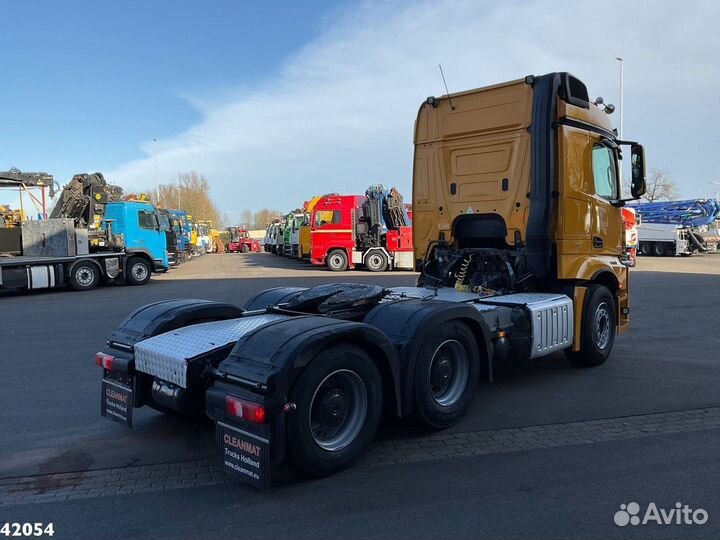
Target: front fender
588, 268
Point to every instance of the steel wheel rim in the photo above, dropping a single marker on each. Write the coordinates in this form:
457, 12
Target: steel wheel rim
338, 410
448, 373
139, 271
601, 326
336, 261
375, 261
84, 276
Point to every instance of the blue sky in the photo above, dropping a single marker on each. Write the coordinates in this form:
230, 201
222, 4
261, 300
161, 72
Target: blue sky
85, 83
275, 101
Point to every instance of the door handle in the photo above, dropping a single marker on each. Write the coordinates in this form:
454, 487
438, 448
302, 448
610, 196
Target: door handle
598, 242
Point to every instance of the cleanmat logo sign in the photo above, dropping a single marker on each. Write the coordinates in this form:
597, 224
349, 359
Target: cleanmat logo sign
680, 514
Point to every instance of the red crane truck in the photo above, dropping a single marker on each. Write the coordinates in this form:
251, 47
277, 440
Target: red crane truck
350, 230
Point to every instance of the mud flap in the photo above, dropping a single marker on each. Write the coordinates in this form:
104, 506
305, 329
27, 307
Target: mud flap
116, 402
243, 455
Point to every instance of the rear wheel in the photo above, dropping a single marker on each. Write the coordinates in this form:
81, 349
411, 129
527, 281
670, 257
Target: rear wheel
446, 375
245, 248
138, 271
337, 260
597, 330
645, 248
339, 402
659, 249
376, 261
84, 276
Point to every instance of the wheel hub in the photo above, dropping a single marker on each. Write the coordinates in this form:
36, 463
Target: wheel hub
338, 410
449, 372
139, 271
84, 276
602, 325
333, 407
441, 375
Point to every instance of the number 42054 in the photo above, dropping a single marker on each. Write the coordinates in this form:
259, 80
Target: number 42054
27, 529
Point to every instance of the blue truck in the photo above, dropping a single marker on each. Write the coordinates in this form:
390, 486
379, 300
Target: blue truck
183, 230
127, 246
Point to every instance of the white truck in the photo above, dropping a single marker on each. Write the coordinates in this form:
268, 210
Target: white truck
668, 239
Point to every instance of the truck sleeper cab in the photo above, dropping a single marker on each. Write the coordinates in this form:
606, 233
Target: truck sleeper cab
307, 373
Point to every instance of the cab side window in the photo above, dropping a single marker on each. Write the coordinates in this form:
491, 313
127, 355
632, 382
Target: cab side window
605, 172
147, 220
323, 217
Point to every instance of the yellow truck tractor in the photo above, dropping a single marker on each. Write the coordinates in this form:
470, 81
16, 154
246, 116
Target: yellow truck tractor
516, 188
518, 237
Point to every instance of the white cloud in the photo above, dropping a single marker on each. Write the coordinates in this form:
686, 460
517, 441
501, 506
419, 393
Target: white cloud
339, 114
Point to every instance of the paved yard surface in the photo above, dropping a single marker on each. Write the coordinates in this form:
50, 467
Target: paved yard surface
547, 450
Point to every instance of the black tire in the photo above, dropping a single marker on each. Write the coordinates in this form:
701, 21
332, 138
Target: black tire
376, 261
84, 276
244, 248
340, 377
138, 271
450, 350
337, 260
645, 248
598, 317
659, 249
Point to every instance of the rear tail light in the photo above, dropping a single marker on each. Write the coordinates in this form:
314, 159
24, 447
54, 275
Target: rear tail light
105, 361
247, 410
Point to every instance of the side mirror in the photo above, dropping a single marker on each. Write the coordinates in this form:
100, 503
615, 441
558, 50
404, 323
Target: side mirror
637, 166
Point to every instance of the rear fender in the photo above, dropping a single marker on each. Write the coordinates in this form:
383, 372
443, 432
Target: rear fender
160, 317
405, 322
274, 355
272, 297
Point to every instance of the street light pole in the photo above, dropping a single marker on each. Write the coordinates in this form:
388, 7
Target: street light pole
157, 184
622, 94
716, 183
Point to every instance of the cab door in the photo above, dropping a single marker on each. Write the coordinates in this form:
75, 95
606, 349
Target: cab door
607, 223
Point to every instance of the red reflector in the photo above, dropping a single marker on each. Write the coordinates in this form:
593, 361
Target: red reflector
247, 410
104, 360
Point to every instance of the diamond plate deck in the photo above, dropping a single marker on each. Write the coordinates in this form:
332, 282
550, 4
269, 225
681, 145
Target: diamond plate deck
166, 356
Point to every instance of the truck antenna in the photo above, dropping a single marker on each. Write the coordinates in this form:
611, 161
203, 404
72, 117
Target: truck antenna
446, 88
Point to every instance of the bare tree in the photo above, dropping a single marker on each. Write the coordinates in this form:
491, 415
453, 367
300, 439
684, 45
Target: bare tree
660, 186
263, 217
246, 219
190, 192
